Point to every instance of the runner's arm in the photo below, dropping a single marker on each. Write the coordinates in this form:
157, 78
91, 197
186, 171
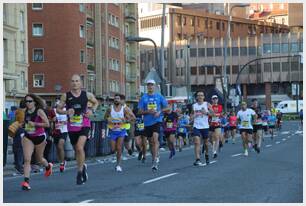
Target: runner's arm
93, 100
44, 118
61, 105
129, 114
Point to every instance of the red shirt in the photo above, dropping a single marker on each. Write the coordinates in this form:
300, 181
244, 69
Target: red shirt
215, 120
233, 121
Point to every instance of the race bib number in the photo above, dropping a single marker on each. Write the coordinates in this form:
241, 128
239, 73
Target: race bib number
152, 106
181, 130
140, 126
29, 128
77, 120
245, 123
169, 125
215, 119
258, 121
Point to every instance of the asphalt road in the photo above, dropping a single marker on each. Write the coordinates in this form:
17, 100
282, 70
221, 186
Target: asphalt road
275, 176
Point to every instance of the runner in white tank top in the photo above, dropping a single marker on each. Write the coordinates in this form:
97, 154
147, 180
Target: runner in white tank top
116, 115
199, 115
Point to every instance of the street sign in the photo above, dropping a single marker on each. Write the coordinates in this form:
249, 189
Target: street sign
295, 89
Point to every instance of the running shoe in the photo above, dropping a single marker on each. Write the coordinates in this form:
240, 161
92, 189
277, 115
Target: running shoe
215, 155
118, 168
220, 144
180, 149
155, 166
226, 141
157, 159
48, 172
143, 160
197, 162
84, 173
25, 185
130, 151
207, 159
139, 155
79, 178
246, 153
62, 166
258, 150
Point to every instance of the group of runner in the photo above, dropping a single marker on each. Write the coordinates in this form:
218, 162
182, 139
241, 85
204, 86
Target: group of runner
206, 123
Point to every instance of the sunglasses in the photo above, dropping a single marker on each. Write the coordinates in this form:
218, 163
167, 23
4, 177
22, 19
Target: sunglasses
29, 101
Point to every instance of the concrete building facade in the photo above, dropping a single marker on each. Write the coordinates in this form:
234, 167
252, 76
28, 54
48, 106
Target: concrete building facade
15, 50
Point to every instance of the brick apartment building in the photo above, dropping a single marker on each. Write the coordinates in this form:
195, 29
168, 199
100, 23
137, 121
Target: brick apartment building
85, 39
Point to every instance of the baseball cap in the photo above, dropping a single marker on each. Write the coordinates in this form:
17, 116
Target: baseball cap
214, 96
150, 81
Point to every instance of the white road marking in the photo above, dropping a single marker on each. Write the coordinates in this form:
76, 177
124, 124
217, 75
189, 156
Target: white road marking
159, 178
87, 201
268, 145
284, 139
235, 155
298, 132
285, 132
277, 142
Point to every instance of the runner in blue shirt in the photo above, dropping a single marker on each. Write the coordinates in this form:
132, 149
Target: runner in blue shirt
151, 106
182, 128
271, 123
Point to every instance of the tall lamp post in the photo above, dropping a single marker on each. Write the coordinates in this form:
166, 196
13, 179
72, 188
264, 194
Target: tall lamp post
141, 39
224, 81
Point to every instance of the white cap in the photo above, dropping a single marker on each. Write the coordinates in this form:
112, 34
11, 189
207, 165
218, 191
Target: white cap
214, 96
150, 81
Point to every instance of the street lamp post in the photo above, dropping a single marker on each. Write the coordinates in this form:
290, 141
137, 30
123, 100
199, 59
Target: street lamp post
141, 39
224, 84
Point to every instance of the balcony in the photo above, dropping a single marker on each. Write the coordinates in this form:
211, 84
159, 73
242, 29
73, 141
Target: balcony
130, 16
131, 58
131, 77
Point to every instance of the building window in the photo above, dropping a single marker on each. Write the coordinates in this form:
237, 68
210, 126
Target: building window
184, 20
210, 70
179, 20
206, 23
218, 25
294, 47
37, 6
285, 48
252, 69
266, 48
235, 51
193, 52
37, 29
210, 25
202, 71
193, 70
38, 80
235, 69
275, 48
267, 67
82, 31
243, 51
5, 16
232, 27
22, 52
285, 66
218, 70
276, 67
82, 56
113, 20
82, 7
223, 26
21, 23
201, 52
218, 52
38, 55
252, 50
228, 70
22, 80
5, 48
192, 21
113, 42
210, 52
178, 70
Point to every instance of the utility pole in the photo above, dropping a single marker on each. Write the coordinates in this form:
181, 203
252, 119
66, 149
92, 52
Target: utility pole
162, 66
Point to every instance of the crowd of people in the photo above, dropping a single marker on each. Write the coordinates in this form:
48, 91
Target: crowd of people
204, 124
